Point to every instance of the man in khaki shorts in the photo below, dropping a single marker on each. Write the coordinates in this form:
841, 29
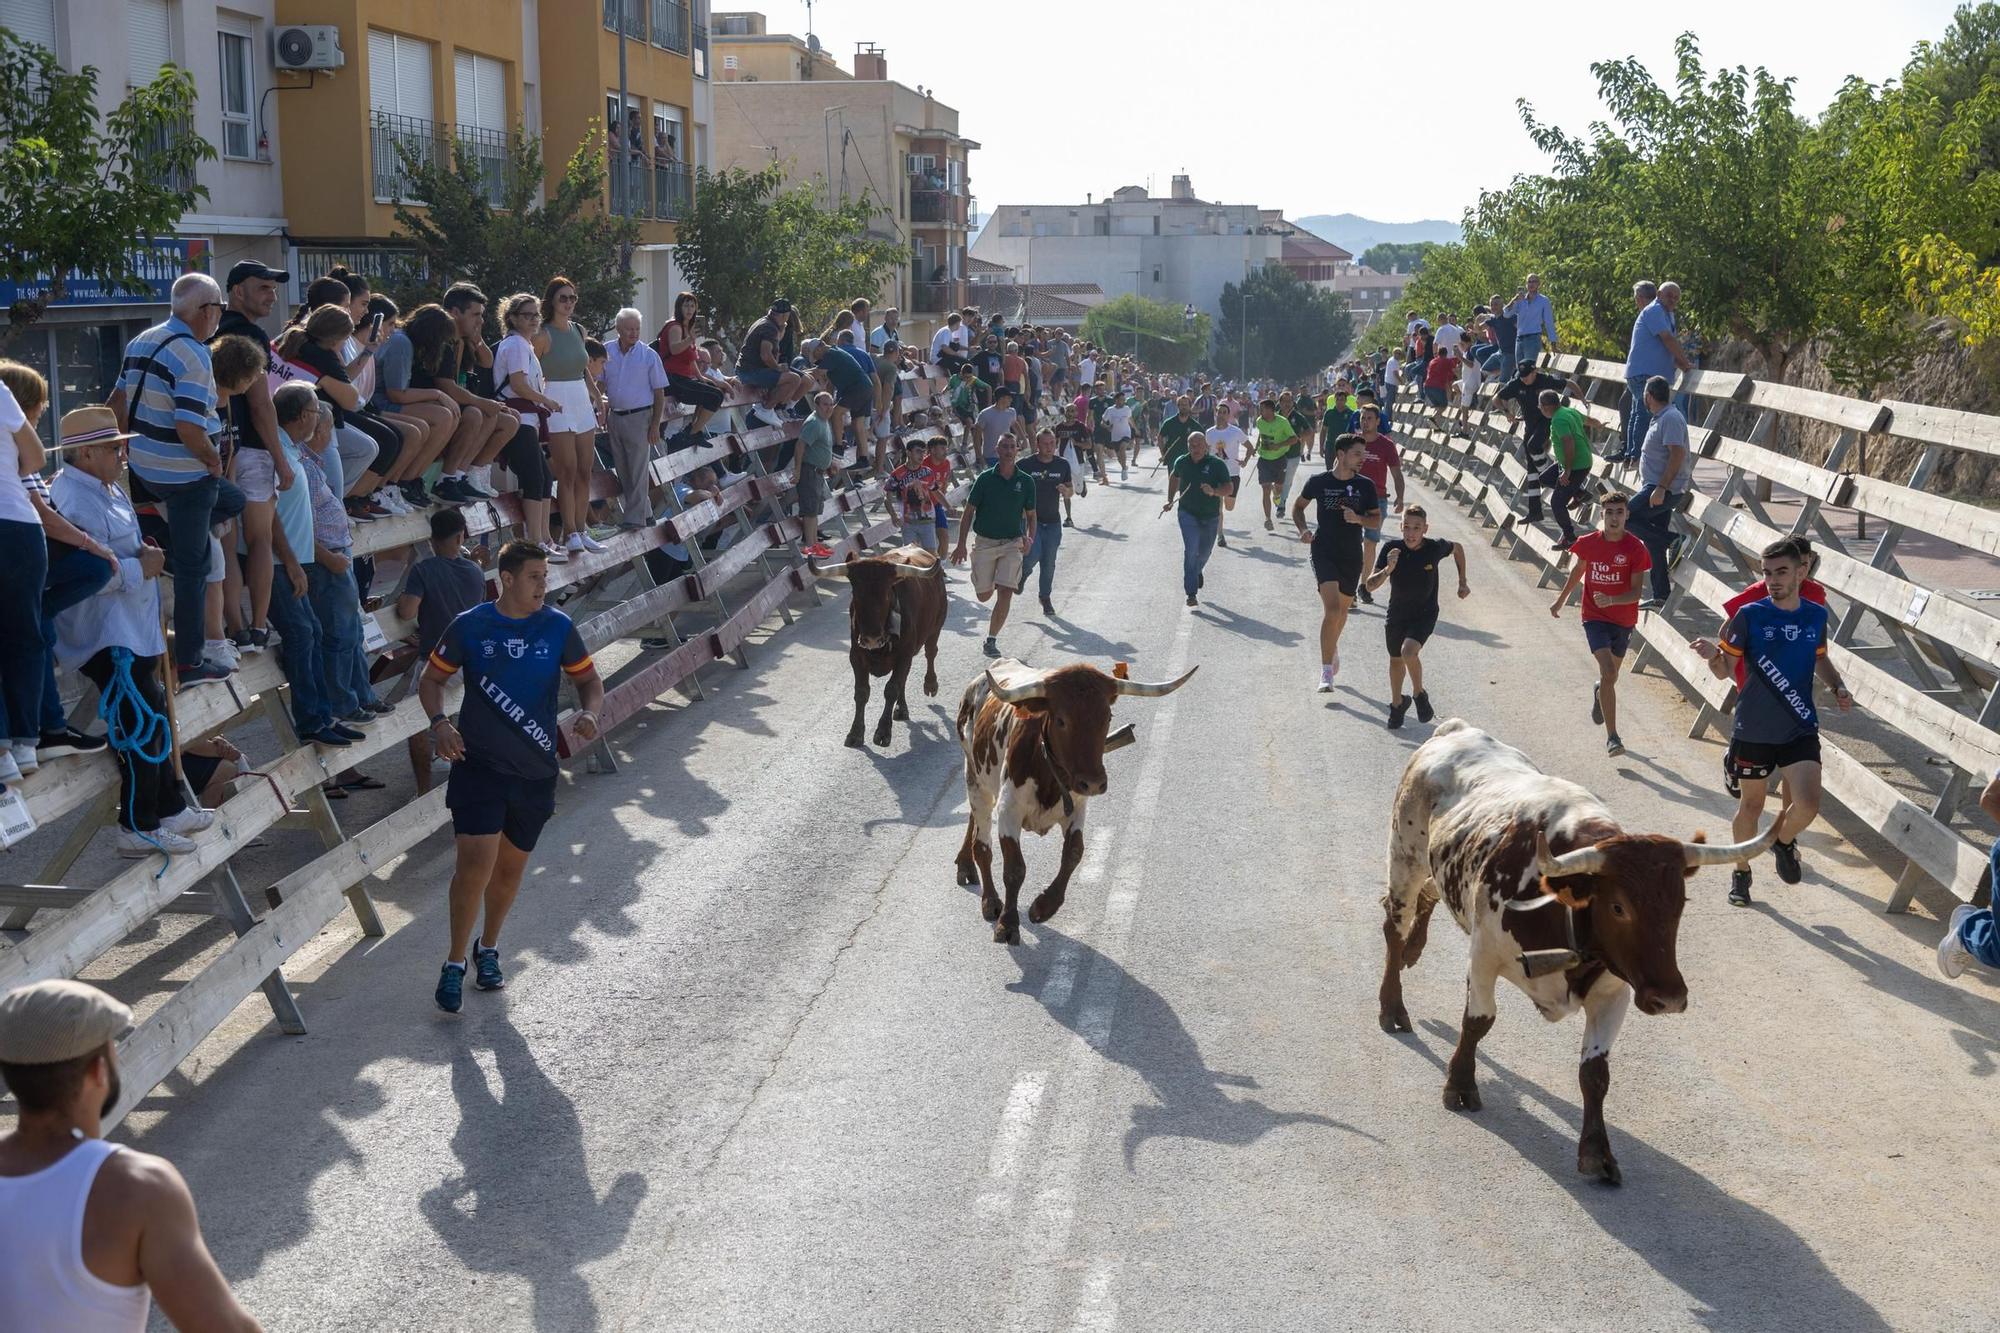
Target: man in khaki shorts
1000, 512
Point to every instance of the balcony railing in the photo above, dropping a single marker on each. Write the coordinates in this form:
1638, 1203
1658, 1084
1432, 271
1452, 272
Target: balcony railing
633, 13
936, 298
936, 206
429, 144
642, 189
160, 143
670, 25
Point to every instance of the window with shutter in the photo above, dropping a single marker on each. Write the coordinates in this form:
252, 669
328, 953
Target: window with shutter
481, 91
30, 20
399, 75
149, 40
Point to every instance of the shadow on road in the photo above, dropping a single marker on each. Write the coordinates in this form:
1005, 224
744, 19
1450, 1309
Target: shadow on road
1235, 622
1126, 1020
1747, 1271
1066, 636
1448, 629
538, 1219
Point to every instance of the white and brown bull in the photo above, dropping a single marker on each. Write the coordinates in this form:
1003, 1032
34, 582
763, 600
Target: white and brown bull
1034, 746
1557, 899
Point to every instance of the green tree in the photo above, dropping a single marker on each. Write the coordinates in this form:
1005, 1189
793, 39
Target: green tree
517, 245
77, 195
1275, 325
1392, 256
1166, 341
750, 238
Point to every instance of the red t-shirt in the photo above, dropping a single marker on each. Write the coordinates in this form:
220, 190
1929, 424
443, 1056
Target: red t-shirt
1611, 569
1441, 372
1812, 590
1380, 458
682, 365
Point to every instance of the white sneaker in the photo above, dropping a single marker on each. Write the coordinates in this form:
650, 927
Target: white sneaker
134, 845
19, 761
482, 477
557, 555
222, 652
1952, 955
763, 416
392, 500
192, 820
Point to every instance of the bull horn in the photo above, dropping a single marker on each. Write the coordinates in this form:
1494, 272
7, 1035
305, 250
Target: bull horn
1582, 861
1702, 854
831, 571
1037, 688
915, 572
1142, 689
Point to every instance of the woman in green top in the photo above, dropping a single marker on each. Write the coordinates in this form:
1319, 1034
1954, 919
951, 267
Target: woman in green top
573, 428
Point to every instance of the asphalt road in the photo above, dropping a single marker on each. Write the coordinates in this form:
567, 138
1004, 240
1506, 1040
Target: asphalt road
759, 1065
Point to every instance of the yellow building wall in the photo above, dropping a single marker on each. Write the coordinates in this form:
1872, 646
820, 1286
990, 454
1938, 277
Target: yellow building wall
328, 166
579, 66
769, 62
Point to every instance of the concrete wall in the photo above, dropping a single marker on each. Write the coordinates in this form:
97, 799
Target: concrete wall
1192, 269
777, 58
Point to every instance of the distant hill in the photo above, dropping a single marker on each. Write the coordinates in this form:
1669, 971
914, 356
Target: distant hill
1355, 234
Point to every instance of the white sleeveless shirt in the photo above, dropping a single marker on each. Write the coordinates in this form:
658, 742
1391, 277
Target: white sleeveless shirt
43, 1283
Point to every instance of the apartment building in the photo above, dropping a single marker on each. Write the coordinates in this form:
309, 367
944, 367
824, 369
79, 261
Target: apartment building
850, 133
226, 48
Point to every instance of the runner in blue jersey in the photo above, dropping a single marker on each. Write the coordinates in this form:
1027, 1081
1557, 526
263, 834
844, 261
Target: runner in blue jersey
1782, 643
502, 749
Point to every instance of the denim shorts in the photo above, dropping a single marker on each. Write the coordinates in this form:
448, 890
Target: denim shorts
759, 377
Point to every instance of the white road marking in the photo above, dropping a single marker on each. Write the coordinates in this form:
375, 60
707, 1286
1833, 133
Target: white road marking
1017, 1124
1097, 1311
1041, 1238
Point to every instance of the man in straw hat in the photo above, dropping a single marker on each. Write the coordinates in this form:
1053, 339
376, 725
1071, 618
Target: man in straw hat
90, 1231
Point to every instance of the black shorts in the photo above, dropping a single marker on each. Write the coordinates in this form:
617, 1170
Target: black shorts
1755, 761
700, 394
1402, 626
1271, 471
1337, 566
859, 402
485, 801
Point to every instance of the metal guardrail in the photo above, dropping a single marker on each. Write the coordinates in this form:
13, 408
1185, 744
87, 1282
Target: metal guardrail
633, 13
670, 25
395, 141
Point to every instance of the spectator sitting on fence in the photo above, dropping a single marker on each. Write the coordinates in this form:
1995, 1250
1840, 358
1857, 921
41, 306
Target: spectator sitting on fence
680, 357
457, 362
79, 565
166, 398
298, 627
122, 617
430, 414
765, 363
435, 589
710, 360
312, 351
397, 447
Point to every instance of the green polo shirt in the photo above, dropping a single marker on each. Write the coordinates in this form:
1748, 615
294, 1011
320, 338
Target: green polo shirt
1174, 436
1000, 504
1192, 474
1274, 438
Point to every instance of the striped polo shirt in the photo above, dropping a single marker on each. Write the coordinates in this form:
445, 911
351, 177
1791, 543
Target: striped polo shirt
167, 379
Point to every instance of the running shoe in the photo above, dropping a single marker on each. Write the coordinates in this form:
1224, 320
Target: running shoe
1739, 887
1048, 607
260, 639
486, 969
1613, 746
1424, 710
1564, 544
1325, 685
56, 744
1367, 597
133, 845
557, 555
1221, 540
452, 489
1192, 602
201, 671
760, 415
1397, 712
1786, 854
819, 551
23, 753
583, 541
1596, 705
991, 647
603, 532
451, 988
1269, 526
1952, 955
189, 821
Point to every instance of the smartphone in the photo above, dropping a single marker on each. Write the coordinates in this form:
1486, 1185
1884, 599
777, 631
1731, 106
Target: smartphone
375, 326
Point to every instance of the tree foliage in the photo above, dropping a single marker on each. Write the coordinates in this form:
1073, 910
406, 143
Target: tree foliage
78, 194
1855, 228
1166, 341
1397, 256
460, 235
1273, 325
750, 238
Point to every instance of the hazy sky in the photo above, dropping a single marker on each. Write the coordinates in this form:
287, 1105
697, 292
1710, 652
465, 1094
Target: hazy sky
1311, 106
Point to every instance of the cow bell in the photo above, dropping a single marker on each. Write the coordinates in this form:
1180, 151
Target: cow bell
1119, 738
1547, 962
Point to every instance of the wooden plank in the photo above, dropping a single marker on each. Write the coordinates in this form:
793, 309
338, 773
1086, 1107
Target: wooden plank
1792, 473
731, 632
627, 697
759, 540
647, 607
311, 897
60, 898
1668, 644
1962, 524
1940, 852
1974, 432
1816, 405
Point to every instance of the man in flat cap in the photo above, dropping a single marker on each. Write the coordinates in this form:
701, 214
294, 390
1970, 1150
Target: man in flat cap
139, 1238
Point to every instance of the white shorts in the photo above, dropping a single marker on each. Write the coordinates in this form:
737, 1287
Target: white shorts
578, 415
256, 475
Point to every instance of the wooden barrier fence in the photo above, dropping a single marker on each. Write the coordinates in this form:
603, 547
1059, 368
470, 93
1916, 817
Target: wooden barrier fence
1923, 662
758, 570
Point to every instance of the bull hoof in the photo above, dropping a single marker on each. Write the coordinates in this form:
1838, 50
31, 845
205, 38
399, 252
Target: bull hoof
1461, 1099
1599, 1165
989, 907
853, 741
965, 875
1395, 1020
881, 737
1043, 908
1005, 933
930, 686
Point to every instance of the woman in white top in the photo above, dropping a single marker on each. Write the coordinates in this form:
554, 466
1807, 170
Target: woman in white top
517, 377
24, 564
578, 416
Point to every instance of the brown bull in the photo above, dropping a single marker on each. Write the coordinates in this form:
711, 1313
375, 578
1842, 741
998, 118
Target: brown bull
1034, 755
898, 606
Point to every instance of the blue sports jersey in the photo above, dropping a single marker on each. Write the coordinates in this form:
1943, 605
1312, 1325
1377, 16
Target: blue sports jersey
508, 718
1780, 650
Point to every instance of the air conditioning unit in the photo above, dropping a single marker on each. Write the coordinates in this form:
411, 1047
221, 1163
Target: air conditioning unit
307, 46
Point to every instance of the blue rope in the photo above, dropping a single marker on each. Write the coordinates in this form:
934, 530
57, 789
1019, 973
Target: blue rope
134, 729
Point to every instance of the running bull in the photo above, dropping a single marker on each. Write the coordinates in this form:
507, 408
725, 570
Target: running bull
1034, 746
898, 606
1557, 899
